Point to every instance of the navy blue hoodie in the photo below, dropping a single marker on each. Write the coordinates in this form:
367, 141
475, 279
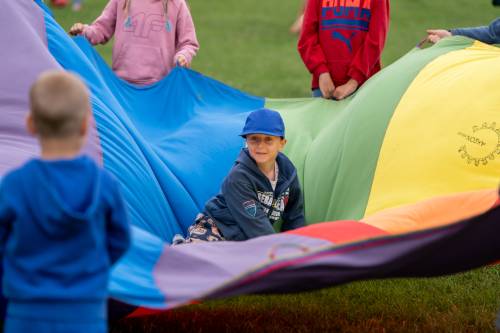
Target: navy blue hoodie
247, 206
62, 226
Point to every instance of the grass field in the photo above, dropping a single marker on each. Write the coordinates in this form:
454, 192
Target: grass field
246, 44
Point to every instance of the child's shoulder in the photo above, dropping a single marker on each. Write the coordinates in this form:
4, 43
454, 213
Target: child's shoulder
93, 169
107, 177
287, 169
237, 173
16, 175
7, 180
284, 162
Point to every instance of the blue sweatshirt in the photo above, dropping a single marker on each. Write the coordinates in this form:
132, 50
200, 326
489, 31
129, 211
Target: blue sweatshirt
486, 34
62, 226
247, 206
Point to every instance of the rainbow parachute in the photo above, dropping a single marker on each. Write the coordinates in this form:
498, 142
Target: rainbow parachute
408, 167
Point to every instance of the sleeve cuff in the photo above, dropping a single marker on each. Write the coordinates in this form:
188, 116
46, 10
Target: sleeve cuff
357, 75
320, 70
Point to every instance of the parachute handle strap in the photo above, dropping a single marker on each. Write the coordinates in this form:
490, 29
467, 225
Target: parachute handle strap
276, 247
422, 42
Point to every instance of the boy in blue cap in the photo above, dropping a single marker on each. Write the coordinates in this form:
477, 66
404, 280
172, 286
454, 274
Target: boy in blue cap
62, 220
261, 188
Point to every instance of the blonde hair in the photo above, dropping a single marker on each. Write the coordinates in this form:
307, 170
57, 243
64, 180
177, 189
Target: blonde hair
59, 104
126, 6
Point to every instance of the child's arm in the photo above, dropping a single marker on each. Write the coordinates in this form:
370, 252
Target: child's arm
187, 44
370, 52
293, 217
117, 229
245, 208
487, 34
309, 47
104, 26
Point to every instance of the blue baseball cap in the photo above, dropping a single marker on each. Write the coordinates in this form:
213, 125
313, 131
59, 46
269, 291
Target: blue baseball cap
264, 121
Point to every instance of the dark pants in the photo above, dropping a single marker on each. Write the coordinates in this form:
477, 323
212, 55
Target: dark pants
316, 93
204, 229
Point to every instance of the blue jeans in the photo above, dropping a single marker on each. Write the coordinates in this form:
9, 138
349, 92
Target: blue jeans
316, 93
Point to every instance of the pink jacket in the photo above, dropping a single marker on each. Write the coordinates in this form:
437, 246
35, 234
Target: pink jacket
146, 44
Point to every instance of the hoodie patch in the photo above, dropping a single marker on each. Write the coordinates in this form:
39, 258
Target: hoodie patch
250, 207
274, 208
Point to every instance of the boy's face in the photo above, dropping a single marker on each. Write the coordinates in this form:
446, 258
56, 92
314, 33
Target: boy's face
264, 148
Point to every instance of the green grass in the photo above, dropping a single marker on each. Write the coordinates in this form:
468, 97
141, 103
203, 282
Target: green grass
246, 44
462, 303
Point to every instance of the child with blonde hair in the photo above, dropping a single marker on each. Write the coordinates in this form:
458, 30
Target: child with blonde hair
63, 222
151, 37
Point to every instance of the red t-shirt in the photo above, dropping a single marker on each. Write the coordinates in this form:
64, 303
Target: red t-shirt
344, 37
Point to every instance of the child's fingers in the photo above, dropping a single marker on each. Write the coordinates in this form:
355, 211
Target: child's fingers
441, 33
325, 93
181, 62
342, 92
435, 31
76, 29
330, 89
434, 39
332, 92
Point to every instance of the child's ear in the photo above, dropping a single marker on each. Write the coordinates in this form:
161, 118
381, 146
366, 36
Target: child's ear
283, 143
85, 124
30, 124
